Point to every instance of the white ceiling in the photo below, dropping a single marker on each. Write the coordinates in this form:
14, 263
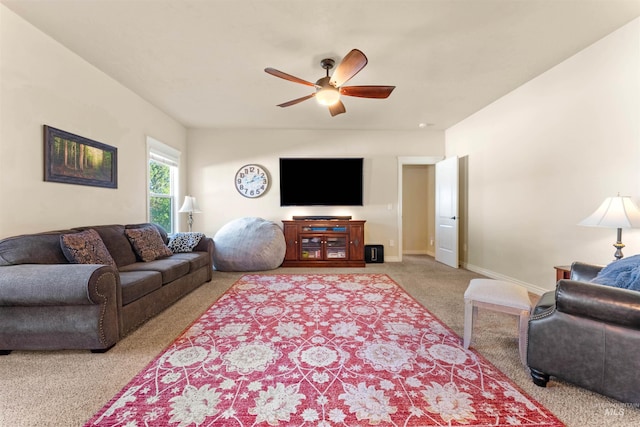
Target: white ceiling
202, 61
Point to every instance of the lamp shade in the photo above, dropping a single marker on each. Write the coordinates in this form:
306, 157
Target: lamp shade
614, 212
190, 205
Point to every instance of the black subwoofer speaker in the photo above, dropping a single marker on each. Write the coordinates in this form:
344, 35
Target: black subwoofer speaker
374, 253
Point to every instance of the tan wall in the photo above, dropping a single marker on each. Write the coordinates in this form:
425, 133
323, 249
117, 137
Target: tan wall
216, 155
43, 82
544, 157
418, 202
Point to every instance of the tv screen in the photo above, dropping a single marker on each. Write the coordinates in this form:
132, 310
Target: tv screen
321, 181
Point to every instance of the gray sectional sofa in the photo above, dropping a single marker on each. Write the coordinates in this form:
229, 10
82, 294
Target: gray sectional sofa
49, 302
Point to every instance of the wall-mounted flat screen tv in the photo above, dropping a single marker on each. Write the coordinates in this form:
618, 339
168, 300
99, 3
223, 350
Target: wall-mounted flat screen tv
321, 181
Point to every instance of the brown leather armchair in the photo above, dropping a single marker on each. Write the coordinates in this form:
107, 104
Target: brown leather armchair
587, 334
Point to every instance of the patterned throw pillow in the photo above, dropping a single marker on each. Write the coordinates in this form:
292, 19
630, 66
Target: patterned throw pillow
147, 243
85, 247
184, 242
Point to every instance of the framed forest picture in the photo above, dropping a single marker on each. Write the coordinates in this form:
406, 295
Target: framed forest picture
73, 159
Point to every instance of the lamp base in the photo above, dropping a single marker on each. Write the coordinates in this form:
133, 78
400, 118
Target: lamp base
618, 245
190, 221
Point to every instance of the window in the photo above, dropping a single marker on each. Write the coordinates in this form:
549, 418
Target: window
163, 176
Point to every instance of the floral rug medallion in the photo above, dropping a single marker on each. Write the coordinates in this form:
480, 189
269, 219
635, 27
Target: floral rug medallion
320, 350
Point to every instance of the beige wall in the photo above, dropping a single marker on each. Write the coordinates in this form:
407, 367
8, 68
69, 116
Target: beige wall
545, 156
534, 162
43, 82
216, 155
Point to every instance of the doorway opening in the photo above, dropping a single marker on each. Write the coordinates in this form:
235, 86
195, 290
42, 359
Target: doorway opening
417, 168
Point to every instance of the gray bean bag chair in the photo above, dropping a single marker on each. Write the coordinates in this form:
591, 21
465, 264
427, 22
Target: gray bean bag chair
248, 244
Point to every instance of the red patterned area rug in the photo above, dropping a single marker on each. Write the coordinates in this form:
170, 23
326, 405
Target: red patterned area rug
320, 350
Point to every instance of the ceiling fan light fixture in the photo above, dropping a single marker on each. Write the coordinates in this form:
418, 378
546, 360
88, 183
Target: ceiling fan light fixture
329, 89
328, 95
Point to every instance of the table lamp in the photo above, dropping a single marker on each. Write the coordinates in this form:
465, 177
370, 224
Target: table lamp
190, 206
615, 212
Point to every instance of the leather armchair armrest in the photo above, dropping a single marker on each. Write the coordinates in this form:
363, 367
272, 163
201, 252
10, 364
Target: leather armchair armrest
583, 272
603, 303
545, 305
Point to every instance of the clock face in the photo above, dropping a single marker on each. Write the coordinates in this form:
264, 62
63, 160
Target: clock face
252, 181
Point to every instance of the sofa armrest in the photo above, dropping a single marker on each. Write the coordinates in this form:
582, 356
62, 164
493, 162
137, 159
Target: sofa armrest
583, 272
57, 284
603, 303
204, 245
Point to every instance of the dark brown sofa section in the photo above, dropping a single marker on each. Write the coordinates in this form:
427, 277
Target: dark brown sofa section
48, 303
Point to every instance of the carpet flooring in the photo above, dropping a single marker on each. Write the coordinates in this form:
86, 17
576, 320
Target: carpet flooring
66, 388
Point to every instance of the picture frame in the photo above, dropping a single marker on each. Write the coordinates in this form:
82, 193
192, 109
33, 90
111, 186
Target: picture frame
73, 159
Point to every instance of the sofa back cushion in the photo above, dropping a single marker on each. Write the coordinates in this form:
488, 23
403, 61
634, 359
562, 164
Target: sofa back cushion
40, 248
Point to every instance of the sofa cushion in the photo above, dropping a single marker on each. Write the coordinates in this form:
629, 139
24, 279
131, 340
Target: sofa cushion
196, 259
170, 268
116, 242
136, 284
184, 242
147, 243
85, 247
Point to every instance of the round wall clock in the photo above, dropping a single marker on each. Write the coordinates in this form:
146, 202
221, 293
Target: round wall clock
252, 180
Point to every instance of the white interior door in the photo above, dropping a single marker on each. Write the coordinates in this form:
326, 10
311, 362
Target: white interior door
447, 212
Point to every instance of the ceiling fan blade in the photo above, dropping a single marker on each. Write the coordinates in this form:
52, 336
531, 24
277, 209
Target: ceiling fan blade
349, 67
367, 91
286, 76
337, 108
296, 101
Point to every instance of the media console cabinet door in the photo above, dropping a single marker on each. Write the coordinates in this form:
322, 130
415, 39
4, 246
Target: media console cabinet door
291, 240
356, 235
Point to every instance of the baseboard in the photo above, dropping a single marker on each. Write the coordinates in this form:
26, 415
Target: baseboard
415, 252
391, 259
493, 275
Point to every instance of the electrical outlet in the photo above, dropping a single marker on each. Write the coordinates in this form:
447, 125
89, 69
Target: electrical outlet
392, 242
431, 242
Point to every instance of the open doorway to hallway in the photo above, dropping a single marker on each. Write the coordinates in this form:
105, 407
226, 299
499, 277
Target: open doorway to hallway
418, 209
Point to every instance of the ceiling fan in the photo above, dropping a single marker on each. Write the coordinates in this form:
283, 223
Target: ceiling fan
329, 88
